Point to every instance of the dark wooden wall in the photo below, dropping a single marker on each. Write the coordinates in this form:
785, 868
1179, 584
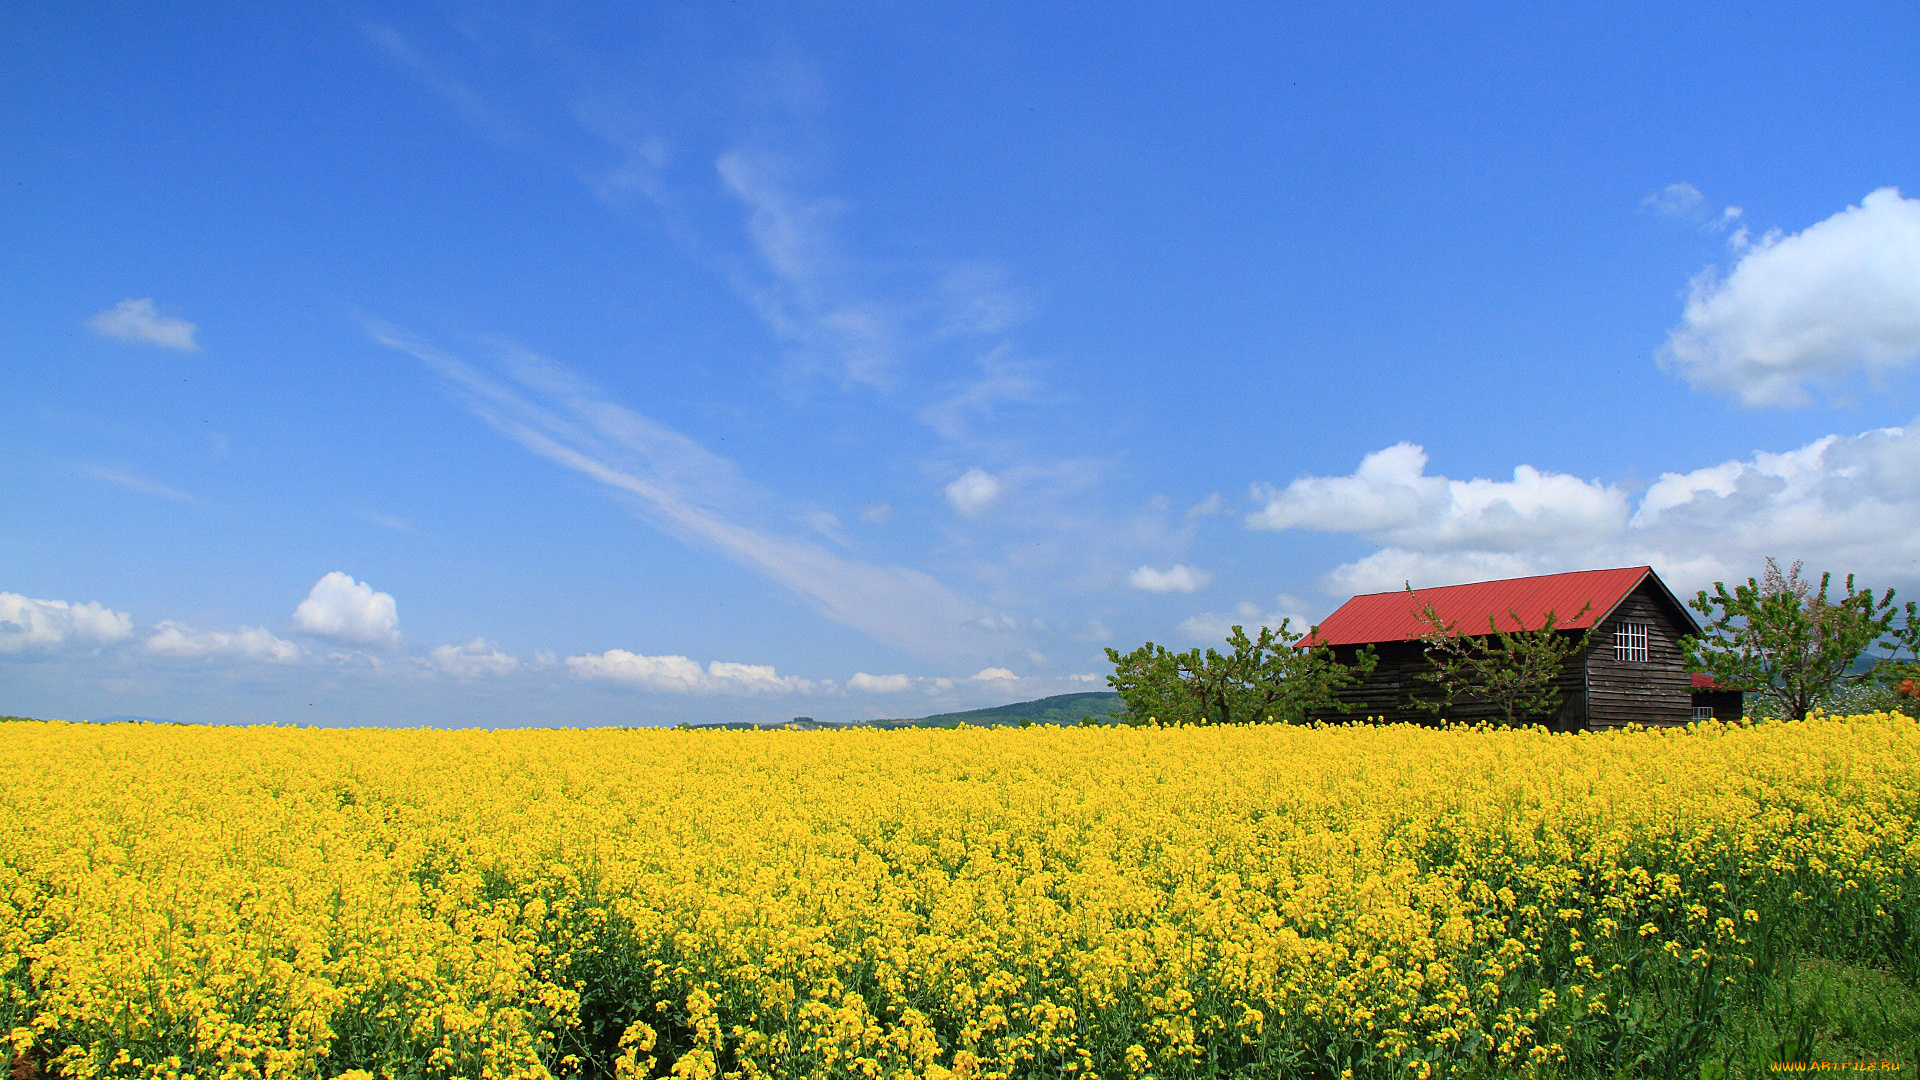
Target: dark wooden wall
1657, 691
1596, 691
1387, 695
1727, 705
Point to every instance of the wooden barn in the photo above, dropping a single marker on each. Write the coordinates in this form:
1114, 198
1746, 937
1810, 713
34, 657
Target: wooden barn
1632, 670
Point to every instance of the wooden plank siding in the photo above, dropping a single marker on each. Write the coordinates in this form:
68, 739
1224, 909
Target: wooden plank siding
1596, 690
1387, 695
1655, 692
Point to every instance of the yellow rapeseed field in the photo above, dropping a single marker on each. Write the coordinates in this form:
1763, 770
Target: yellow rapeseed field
204, 903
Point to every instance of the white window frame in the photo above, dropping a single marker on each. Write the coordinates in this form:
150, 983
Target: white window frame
1630, 642
1702, 712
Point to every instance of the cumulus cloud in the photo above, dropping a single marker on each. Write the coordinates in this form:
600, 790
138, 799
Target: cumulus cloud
897, 684
972, 492
139, 320
1389, 569
1213, 627
345, 610
1175, 578
247, 643
880, 684
1390, 498
679, 675
45, 625
994, 674
1851, 503
1840, 298
476, 658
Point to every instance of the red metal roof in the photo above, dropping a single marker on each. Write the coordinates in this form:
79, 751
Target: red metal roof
1392, 616
1704, 681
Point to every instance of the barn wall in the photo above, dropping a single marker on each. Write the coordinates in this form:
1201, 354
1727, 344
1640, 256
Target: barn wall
1387, 694
1656, 692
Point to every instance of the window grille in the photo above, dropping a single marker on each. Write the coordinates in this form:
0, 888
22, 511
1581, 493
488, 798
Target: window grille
1630, 642
1703, 712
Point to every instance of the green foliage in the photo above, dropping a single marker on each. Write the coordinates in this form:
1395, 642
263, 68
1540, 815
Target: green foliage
1267, 677
1898, 672
1781, 639
1511, 670
1820, 1009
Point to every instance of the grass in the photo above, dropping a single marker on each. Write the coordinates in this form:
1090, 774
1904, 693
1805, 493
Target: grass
1821, 1010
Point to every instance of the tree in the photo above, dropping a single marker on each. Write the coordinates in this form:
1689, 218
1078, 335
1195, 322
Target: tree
1900, 673
1783, 640
1267, 677
1512, 670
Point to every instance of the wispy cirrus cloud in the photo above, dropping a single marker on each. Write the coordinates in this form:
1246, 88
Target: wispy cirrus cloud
679, 486
484, 116
134, 482
807, 288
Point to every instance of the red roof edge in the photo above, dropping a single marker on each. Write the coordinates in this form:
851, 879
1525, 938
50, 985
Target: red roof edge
1386, 616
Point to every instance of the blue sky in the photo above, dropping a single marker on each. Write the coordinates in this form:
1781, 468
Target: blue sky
482, 364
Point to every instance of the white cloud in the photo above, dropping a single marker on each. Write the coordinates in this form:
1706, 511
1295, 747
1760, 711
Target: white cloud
972, 492
696, 495
247, 643
1087, 678
846, 319
756, 678
1848, 503
877, 514
1094, 630
138, 320
1213, 627
679, 675
1205, 507
995, 674
1390, 498
131, 482
1001, 381
1389, 569
1176, 578
1682, 202
880, 684
474, 659
26, 623
346, 610
485, 118
1839, 298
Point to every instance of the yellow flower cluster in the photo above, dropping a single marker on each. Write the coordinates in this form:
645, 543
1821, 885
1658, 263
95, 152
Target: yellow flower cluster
196, 903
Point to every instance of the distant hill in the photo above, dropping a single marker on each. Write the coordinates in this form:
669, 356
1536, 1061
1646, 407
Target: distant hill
1058, 709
